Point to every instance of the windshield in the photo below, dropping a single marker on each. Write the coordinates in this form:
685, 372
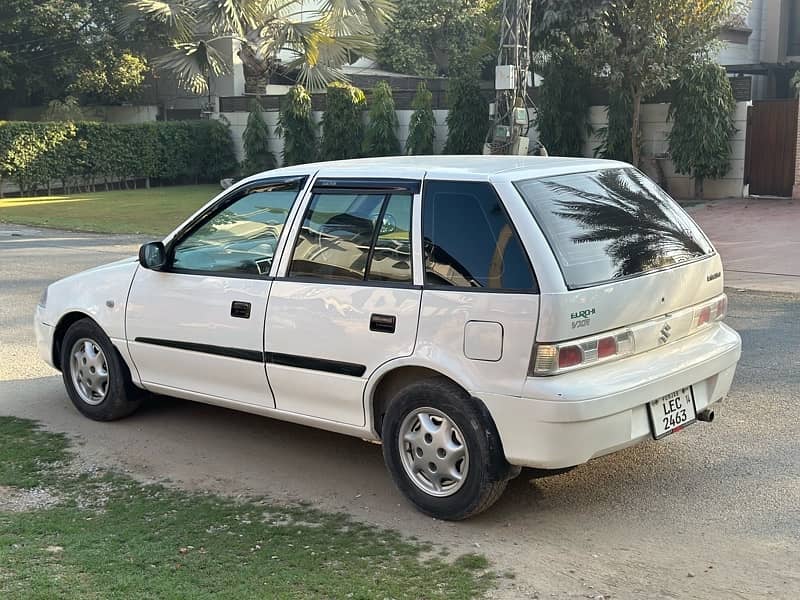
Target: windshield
611, 224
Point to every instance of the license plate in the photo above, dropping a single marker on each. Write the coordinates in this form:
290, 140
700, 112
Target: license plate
672, 412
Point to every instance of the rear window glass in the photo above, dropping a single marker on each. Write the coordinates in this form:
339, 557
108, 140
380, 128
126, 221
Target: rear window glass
611, 224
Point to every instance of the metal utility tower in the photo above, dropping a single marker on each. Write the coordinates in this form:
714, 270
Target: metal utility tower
509, 113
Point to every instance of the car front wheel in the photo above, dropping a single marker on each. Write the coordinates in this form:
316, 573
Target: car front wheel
96, 379
443, 451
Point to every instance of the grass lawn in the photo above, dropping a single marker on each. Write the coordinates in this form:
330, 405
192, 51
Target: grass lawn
156, 211
71, 534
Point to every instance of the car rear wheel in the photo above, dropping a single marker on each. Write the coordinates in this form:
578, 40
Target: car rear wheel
97, 381
442, 450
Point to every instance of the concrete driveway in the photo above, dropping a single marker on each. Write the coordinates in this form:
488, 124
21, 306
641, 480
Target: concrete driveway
712, 512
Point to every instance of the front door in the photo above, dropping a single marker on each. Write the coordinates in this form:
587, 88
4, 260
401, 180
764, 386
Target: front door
197, 325
346, 301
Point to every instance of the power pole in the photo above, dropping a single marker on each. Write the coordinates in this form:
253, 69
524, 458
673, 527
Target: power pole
509, 112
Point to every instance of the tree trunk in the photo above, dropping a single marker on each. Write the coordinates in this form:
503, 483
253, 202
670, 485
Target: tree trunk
698, 187
147, 183
636, 99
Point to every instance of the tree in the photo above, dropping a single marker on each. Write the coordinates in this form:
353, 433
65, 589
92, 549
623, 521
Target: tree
381, 135
258, 156
114, 81
639, 46
46, 44
321, 40
297, 128
342, 127
421, 129
702, 115
562, 107
425, 37
468, 118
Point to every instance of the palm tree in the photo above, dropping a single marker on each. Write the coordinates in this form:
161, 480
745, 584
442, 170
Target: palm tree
633, 217
326, 38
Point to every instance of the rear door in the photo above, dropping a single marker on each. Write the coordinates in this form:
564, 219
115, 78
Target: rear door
347, 297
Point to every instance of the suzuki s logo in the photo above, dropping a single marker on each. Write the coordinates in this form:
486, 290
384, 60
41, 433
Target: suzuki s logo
666, 331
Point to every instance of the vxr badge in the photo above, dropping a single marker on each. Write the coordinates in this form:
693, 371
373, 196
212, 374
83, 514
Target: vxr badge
665, 333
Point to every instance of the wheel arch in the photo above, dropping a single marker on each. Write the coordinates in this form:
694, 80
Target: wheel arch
64, 323
385, 384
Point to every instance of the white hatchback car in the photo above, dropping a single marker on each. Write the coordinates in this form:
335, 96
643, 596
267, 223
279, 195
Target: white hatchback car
474, 314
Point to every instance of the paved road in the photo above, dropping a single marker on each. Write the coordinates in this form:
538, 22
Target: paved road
759, 241
720, 502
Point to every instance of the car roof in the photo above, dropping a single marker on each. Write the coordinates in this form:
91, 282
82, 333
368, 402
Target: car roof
471, 167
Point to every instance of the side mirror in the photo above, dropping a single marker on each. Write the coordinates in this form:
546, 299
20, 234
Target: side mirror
152, 255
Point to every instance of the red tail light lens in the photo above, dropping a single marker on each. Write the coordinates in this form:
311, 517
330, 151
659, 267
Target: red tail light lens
704, 316
606, 347
569, 356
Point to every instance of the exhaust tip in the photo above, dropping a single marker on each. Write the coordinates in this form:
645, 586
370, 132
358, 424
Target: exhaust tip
706, 416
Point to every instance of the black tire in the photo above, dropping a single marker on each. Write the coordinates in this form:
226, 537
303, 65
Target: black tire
488, 471
121, 397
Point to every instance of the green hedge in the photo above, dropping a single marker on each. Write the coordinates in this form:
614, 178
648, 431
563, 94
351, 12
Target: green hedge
84, 155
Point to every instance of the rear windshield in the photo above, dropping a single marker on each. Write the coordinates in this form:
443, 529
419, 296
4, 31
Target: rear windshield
611, 224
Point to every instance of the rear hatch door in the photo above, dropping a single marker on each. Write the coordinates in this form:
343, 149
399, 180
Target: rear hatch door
627, 252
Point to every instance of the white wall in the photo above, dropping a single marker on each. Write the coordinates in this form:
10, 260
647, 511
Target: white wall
655, 130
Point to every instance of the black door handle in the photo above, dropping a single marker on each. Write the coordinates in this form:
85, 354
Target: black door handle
382, 323
240, 310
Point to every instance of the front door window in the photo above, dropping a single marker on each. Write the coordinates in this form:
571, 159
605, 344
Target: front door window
241, 238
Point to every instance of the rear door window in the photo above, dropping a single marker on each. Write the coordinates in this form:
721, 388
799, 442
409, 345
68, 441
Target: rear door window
611, 224
358, 237
469, 241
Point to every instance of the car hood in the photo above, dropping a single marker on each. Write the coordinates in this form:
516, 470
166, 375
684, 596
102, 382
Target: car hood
112, 266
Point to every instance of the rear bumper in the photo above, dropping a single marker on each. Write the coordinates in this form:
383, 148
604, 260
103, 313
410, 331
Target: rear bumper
566, 420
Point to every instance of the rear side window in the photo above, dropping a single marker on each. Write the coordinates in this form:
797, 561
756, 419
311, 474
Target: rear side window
469, 240
611, 224
355, 238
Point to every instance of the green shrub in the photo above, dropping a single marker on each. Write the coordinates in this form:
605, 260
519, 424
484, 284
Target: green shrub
615, 138
702, 113
342, 127
468, 119
381, 137
83, 155
421, 128
297, 128
562, 115
257, 155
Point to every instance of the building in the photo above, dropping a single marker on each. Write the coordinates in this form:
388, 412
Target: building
765, 45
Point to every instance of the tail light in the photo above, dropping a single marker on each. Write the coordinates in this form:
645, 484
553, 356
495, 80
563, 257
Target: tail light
710, 312
560, 357
550, 359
